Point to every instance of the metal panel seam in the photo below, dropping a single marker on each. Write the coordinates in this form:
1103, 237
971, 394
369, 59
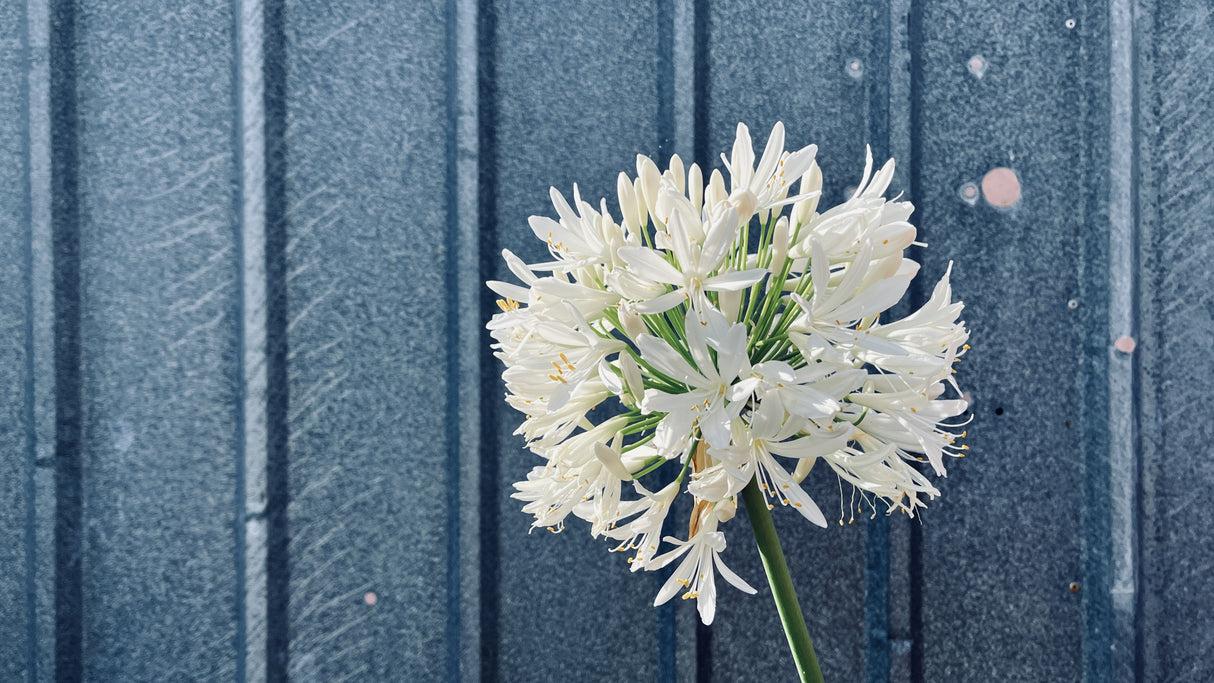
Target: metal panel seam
467, 352
1121, 385
251, 414
490, 465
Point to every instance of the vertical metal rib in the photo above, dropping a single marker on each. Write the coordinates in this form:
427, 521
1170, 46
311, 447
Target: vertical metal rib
40, 486
486, 460
684, 85
65, 277
1122, 461
252, 498
463, 248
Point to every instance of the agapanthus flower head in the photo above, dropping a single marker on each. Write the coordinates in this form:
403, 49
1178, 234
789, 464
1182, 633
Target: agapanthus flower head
728, 326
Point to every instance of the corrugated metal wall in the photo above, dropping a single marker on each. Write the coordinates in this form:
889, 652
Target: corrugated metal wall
249, 426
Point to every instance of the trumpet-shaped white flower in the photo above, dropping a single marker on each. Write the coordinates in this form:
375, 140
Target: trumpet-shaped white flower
714, 334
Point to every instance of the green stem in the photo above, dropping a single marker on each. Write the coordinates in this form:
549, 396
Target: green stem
781, 584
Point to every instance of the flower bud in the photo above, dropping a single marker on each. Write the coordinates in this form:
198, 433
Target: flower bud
676, 174
779, 246
695, 187
628, 203
804, 210
648, 181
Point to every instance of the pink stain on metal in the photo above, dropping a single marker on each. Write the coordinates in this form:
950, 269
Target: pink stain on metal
1125, 345
370, 598
1001, 187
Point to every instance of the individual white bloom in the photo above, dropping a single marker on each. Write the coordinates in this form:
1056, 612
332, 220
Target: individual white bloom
703, 408
766, 186
911, 418
643, 533
696, 264
931, 339
865, 217
696, 574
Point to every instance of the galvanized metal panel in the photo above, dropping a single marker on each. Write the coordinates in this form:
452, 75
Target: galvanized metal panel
814, 75
158, 304
1000, 86
1177, 329
367, 246
573, 97
16, 447
243, 377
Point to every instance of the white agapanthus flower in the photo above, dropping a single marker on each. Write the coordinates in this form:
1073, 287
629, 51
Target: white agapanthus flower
740, 342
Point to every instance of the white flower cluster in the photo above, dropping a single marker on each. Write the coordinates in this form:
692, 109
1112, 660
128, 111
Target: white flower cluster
710, 328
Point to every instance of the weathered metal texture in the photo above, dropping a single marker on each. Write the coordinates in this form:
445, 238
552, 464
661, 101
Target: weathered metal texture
571, 95
157, 315
1176, 336
367, 244
250, 427
755, 77
1002, 87
16, 457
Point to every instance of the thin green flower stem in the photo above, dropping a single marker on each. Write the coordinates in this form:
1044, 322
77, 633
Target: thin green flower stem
744, 243
661, 325
805, 290
752, 300
765, 239
676, 317
782, 590
657, 380
642, 425
650, 465
637, 444
777, 352
687, 463
771, 301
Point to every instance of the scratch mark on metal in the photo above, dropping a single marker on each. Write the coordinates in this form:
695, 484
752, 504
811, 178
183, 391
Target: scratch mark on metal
325, 40
202, 170
196, 329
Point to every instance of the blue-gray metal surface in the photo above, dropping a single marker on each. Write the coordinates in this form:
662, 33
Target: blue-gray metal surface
1003, 86
250, 428
17, 462
572, 86
157, 316
1176, 299
363, 158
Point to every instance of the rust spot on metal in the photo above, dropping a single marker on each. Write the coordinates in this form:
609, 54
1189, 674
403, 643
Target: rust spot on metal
1001, 187
1125, 344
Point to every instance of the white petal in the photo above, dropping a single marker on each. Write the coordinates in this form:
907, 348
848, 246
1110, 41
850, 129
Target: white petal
734, 281
648, 264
